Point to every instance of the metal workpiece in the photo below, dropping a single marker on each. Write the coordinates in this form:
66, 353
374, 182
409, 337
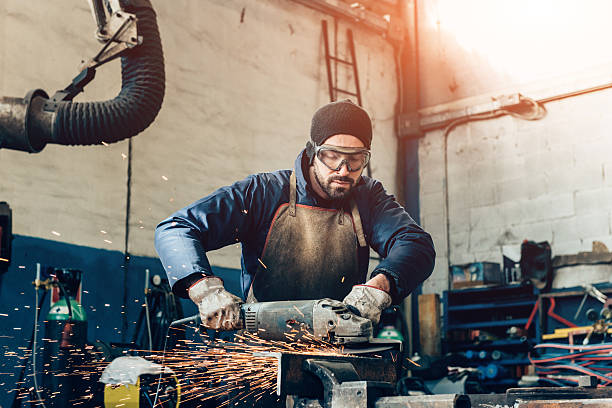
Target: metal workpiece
581, 403
342, 386
24, 125
293, 377
425, 401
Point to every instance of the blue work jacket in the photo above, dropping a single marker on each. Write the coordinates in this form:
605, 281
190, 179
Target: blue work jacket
242, 213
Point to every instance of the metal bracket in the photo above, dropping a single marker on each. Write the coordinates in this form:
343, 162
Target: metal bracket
124, 36
409, 125
67, 94
119, 33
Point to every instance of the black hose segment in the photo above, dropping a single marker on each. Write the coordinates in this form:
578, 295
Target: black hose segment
136, 106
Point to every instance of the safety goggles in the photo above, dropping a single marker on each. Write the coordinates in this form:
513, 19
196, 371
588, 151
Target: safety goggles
334, 157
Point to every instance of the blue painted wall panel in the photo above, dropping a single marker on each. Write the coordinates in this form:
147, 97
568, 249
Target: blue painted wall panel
108, 293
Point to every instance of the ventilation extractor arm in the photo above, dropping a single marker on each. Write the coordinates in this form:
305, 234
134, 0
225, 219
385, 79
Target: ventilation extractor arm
127, 29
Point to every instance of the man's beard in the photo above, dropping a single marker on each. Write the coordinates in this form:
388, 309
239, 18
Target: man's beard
334, 193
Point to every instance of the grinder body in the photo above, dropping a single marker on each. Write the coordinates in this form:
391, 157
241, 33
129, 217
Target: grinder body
325, 319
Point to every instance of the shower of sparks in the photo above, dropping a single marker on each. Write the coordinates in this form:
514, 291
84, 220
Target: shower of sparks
234, 373
230, 373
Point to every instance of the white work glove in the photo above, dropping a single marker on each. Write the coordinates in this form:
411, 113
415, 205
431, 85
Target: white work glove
369, 301
219, 309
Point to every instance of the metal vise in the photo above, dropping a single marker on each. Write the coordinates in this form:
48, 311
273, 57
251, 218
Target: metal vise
314, 381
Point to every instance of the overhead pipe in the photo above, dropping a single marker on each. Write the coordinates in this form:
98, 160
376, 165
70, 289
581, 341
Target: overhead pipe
27, 126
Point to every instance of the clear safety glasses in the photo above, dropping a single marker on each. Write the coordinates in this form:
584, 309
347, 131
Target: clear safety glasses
334, 157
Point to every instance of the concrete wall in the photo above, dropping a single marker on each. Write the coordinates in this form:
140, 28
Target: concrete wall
243, 79
511, 179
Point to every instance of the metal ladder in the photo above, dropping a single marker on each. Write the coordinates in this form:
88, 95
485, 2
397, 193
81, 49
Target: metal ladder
333, 89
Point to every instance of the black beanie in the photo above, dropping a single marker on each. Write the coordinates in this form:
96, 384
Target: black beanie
342, 117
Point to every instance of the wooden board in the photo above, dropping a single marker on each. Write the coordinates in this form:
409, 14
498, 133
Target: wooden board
429, 324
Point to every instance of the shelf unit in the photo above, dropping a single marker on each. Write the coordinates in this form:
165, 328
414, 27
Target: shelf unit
490, 311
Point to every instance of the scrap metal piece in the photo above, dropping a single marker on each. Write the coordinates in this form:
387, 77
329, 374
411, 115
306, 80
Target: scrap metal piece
425, 401
293, 379
556, 393
582, 403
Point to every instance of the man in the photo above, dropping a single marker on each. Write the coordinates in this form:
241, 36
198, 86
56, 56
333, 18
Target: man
305, 233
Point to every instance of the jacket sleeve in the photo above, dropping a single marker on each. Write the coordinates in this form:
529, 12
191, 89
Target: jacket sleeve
210, 223
407, 251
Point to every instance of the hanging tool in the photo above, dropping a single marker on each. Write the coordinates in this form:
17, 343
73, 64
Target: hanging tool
590, 290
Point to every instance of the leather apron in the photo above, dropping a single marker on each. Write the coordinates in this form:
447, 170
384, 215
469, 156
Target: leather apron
310, 253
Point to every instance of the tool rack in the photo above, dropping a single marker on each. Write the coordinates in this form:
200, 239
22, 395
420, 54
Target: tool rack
470, 313
559, 306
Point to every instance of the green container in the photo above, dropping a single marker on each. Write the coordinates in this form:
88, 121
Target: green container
59, 311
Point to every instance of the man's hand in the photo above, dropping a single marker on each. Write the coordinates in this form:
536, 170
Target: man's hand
371, 298
218, 308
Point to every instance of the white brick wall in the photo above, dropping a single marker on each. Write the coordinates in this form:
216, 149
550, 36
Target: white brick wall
240, 93
509, 180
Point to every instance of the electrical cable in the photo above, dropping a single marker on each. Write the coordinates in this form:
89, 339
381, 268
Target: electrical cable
453, 124
575, 367
148, 319
162, 366
537, 111
174, 323
532, 314
36, 311
584, 359
560, 357
573, 346
25, 366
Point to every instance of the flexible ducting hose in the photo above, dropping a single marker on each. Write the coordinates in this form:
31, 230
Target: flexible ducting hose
136, 106
24, 125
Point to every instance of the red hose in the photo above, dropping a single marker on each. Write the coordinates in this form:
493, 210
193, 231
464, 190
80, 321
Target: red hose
556, 316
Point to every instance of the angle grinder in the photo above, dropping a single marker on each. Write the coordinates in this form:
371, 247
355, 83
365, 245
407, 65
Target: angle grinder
325, 319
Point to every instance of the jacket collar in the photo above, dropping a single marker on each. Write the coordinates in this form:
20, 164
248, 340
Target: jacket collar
301, 179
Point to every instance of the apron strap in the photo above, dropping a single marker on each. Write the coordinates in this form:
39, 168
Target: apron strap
292, 194
358, 226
